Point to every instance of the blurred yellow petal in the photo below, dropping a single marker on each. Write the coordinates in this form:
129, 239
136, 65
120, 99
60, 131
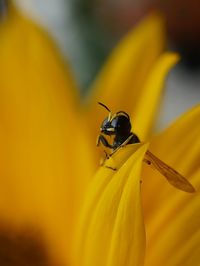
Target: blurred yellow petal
44, 150
146, 108
27, 48
123, 76
172, 217
111, 230
178, 220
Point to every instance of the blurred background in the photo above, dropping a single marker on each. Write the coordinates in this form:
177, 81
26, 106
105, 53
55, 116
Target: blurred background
87, 30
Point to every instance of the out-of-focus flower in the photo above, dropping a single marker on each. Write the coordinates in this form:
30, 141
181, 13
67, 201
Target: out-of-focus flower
48, 156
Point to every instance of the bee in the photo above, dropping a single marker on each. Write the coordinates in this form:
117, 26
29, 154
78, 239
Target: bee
119, 126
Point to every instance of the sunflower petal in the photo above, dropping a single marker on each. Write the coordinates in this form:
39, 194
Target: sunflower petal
40, 138
179, 220
112, 218
147, 106
173, 220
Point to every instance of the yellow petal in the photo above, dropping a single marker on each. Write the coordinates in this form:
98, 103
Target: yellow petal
147, 106
123, 76
44, 151
172, 216
32, 51
111, 228
173, 235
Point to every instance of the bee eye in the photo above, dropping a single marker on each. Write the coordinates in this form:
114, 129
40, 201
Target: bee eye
121, 124
117, 122
105, 123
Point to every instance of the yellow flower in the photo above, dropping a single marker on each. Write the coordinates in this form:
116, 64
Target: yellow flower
52, 211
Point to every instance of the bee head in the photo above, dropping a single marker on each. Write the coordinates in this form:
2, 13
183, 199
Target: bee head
116, 124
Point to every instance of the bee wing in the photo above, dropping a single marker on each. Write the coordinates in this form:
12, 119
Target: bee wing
172, 176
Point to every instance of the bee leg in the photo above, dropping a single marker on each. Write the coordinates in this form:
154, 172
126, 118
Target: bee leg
107, 156
110, 167
98, 140
122, 145
103, 140
146, 161
102, 162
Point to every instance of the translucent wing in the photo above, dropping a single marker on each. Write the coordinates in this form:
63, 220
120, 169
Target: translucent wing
172, 176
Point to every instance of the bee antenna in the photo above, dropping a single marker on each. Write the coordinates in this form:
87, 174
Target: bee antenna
104, 106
